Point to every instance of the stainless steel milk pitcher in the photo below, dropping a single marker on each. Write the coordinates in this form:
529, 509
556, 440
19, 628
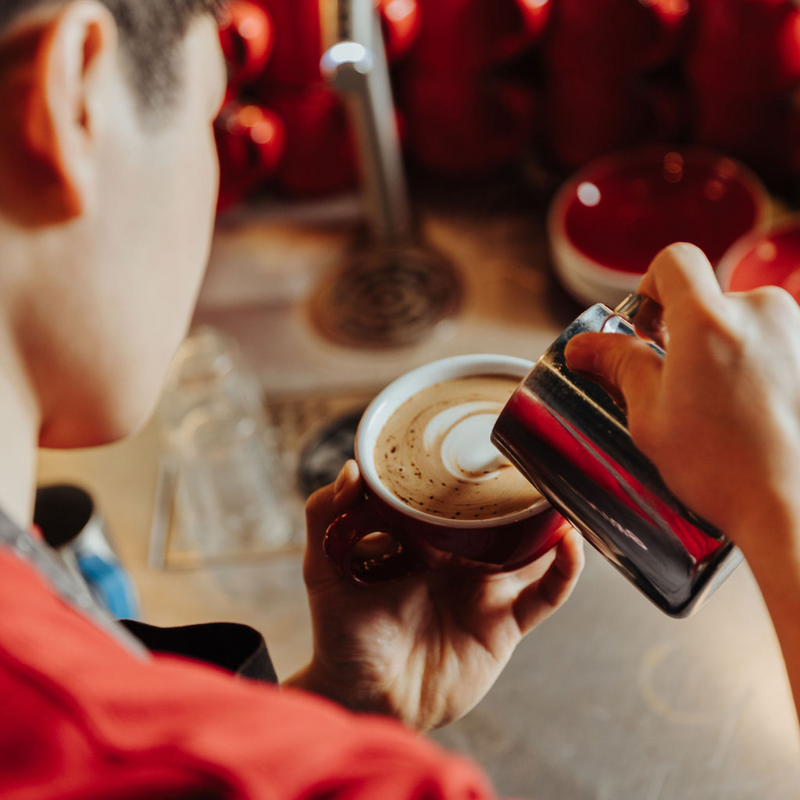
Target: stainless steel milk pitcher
570, 438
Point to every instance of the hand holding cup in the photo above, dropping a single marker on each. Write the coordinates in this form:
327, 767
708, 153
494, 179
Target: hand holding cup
425, 649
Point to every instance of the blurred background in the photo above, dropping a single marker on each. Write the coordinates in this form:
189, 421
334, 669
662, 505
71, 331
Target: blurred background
404, 180
539, 85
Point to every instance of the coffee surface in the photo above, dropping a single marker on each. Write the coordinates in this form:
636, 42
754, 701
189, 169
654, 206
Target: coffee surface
435, 452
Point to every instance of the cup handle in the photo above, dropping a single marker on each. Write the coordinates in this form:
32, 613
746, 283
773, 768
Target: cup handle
347, 530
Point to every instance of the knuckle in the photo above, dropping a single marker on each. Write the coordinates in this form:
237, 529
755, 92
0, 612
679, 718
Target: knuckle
707, 313
773, 300
718, 324
724, 344
676, 255
679, 251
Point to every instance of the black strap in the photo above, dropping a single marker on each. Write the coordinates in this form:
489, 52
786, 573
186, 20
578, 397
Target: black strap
236, 648
239, 649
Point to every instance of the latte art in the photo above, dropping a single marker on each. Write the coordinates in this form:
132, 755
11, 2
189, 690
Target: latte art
435, 452
461, 437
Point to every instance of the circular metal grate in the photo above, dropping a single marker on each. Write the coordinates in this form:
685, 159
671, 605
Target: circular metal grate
323, 457
387, 297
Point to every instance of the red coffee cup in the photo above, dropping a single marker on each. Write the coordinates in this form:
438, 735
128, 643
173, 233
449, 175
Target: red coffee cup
298, 42
466, 125
302, 36
461, 37
742, 67
247, 37
400, 24
320, 154
587, 117
614, 36
768, 256
748, 46
424, 540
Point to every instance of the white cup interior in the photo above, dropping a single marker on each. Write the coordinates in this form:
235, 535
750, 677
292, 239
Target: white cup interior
395, 394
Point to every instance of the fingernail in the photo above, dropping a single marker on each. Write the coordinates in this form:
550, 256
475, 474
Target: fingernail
340, 480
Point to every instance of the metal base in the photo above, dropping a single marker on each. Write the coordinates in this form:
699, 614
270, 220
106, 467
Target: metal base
387, 297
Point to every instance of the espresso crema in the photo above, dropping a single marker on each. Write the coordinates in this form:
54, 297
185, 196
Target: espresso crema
435, 452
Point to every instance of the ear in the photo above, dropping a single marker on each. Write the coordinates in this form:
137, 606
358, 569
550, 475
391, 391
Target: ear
51, 74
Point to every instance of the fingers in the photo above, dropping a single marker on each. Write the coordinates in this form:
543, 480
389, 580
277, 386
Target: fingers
347, 488
322, 508
679, 278
648, 319
625, 362
328, 502
543, 597
678, 275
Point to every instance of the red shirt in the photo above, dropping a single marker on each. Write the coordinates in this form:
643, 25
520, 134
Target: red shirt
81, 719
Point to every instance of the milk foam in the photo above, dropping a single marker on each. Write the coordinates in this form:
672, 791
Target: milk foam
462, 434
435, 452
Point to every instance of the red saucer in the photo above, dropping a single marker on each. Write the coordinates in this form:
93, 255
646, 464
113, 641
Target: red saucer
610, 219
768, 256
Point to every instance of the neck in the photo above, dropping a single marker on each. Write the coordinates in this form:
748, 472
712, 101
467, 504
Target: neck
19, 433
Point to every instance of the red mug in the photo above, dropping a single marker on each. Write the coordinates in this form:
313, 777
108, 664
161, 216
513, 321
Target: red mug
586, 117
746, 46
320, 154
246, 36
759, 129
301, 37
767, 256
614, 37
298, 42
467, 125
400, 21
460, 37
423, 540
251, 142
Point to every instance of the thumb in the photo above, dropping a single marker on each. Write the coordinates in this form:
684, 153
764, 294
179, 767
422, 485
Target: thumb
323, 507
626, 363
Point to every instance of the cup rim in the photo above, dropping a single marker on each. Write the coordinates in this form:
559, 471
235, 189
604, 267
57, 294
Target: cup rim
570, 259
397, 392
732, 257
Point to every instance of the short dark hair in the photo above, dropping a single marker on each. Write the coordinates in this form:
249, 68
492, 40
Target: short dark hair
149, 30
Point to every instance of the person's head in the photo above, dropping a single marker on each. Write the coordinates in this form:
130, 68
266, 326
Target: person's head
108, 180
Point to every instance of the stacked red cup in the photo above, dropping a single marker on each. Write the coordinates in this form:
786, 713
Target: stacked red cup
603, 87
463, 115
320, 154
250, 138
742, 67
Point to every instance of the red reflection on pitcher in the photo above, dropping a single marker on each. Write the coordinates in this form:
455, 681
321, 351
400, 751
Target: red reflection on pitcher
607, 476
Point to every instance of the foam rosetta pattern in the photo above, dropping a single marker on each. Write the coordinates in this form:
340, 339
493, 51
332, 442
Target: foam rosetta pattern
435, 453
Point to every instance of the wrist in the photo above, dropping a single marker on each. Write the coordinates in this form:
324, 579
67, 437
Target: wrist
316, 679
299, 680
770, 541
